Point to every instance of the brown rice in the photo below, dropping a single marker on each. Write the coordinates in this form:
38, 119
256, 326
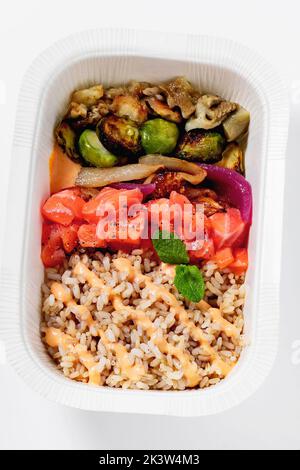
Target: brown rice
224, 290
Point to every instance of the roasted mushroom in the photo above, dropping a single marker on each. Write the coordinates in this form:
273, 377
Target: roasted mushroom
66, 139
163, 110
200, 145
152, 91
76, 111
88, 96
137, 88
130, 107
179, 92
236, 124
93, 152
120, 136
92, 116
211, 111
207, 197
233, 158
159, 136
166, 182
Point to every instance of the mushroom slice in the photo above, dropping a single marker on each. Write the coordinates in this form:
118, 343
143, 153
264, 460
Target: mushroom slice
152, 91
163, 110
131, 107
88, 96
137, 88
179, 92
76, 111
236, 124
166, 182
211, 111
92, 116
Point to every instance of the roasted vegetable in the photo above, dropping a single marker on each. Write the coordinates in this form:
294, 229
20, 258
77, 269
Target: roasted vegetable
76, 111
120, 136
171, 163
187, 171
163, 110
88, 96
237, 124
166, 182
137, 88
200, 145
99, 177
159, 136
66, 139
207, 197
93, 152
152, 91
130, 107
233, 158
91, 117
210, 112
179, 92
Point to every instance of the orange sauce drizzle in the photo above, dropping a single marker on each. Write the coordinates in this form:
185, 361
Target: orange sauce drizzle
55, 337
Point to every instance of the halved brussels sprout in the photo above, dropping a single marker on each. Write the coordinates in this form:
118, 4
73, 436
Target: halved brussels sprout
93, 152
233, 158
66, 139
159, 136
201, 145
120, 136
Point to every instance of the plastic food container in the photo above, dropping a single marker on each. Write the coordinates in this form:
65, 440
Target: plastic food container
113, 56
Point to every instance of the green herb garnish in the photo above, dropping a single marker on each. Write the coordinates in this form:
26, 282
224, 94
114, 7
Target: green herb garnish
170, 248
189, 282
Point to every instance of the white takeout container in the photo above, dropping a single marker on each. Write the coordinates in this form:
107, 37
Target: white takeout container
111, 57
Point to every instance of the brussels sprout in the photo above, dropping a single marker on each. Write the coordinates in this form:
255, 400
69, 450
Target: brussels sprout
93, 151
120, 136
201, 145
66, 139
159, 136
233, 158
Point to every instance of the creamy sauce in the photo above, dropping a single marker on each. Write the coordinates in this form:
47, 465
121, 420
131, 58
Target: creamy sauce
123, 264
63, 293
63, 171
56, 338
132, 372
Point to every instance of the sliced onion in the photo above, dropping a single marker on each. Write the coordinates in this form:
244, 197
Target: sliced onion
99, 177
175, 164
146, 189
233, 187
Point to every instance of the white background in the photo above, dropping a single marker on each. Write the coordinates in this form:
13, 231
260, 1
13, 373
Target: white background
271, 418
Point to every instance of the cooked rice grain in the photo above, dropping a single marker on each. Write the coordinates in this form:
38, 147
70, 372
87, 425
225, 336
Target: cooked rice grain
224, 290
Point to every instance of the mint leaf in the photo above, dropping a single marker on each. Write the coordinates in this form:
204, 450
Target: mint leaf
189, 282
170, 248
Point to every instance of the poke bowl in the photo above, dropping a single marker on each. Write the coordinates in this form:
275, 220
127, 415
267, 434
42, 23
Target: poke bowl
142, 280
